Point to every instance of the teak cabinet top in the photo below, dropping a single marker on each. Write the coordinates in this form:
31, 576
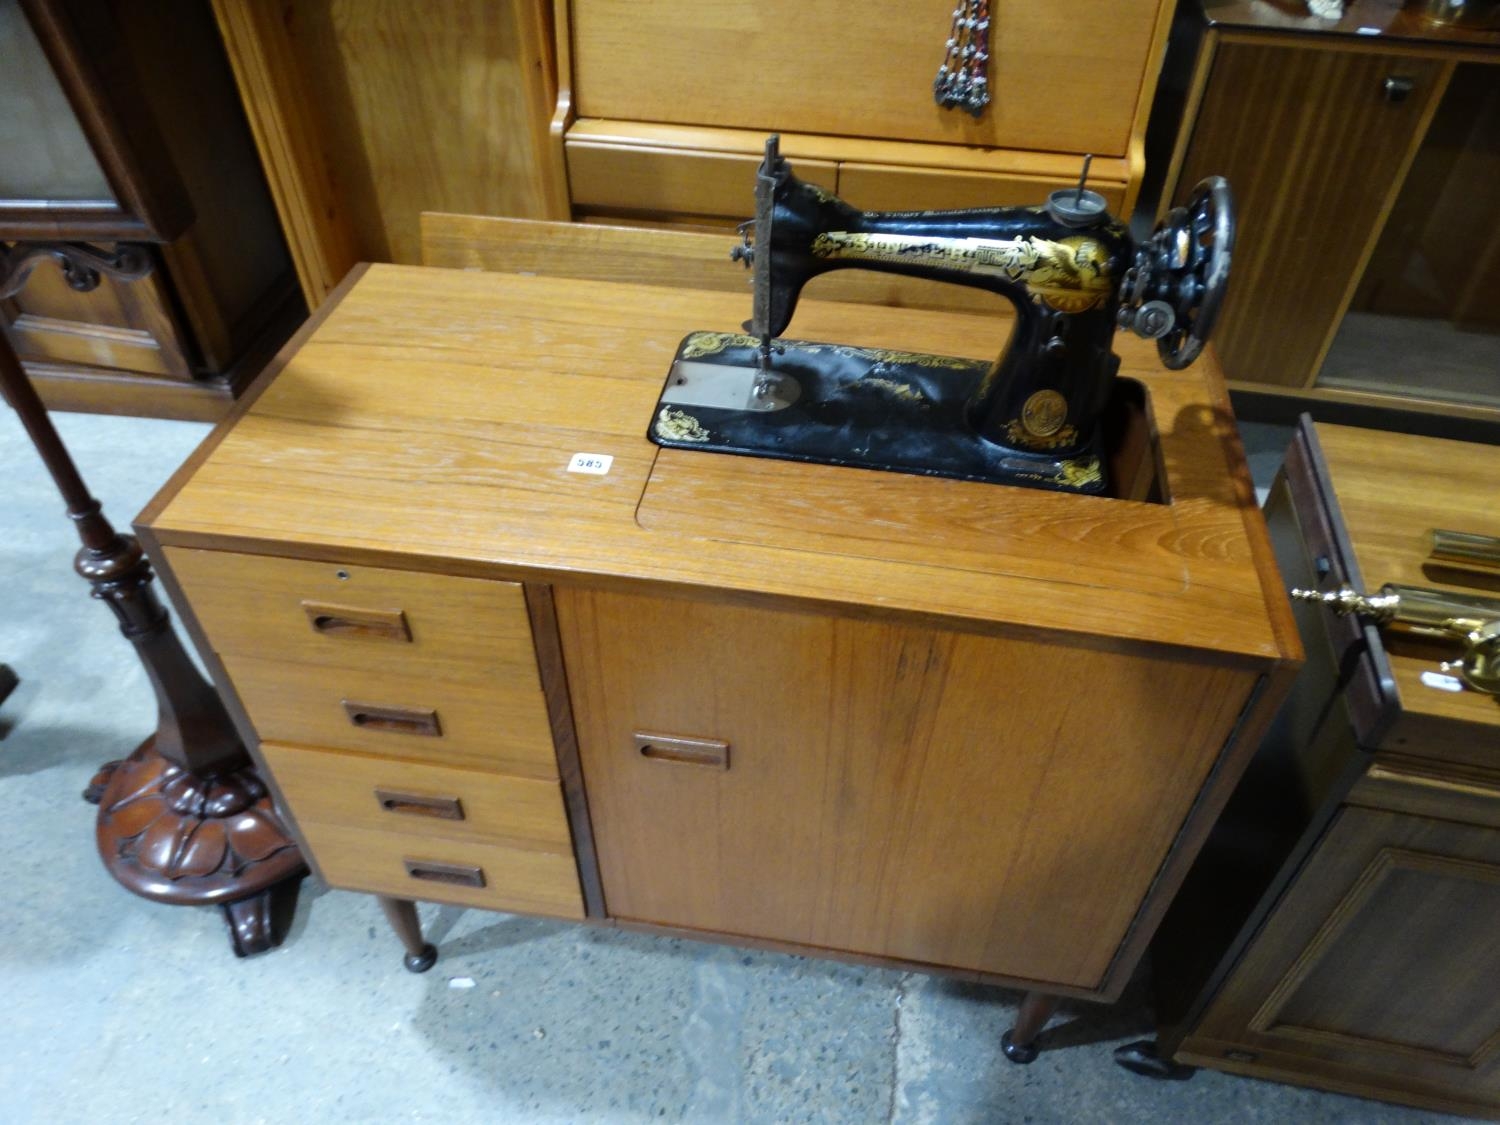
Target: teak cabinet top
427, 419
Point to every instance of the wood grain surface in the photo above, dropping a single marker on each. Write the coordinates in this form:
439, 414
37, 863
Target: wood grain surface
524, 879
1316, 155
677, 259
897, 791
1065, 76
498, 725
1373, 974
476, 407
368, 112
338, 788
1393, 489
461, 629
1057, 169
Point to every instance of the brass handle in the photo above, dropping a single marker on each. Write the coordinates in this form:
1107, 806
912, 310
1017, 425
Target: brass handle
454, 874
330, 620
1397, 88
395, 720
711, 752
442, 808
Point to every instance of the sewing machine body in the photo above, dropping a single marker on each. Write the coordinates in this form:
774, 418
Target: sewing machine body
1036, 415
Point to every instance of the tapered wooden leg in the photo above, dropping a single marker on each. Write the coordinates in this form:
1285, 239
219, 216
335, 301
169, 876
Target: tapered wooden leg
421, 955
1019, 1043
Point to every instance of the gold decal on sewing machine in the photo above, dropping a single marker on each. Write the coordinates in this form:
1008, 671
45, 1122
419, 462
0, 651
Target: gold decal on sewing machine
679, 425
698, 345
1018, 435
1070, 275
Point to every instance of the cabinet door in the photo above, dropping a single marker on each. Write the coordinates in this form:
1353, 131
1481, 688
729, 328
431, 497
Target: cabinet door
1377, 972
983, 803
1315, 147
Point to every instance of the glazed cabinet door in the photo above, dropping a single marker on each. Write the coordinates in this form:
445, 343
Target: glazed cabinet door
977, 802
1377, 972
1315, 144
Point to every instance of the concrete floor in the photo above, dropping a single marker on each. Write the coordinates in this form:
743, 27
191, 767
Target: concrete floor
117, 1010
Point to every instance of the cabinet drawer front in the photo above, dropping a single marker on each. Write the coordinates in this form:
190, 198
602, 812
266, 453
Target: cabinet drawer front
1065, 74
468, 630
884, 187
496, 726
531, 880
421, 800
687, 182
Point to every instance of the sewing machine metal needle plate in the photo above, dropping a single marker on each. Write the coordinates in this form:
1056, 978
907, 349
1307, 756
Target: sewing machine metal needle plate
835, 404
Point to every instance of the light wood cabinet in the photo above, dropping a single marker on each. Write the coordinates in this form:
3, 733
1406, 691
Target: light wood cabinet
832, 711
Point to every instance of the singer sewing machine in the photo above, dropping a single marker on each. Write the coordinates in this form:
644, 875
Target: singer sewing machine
1035, 416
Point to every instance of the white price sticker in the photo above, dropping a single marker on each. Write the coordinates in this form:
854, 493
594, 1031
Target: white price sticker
596, 464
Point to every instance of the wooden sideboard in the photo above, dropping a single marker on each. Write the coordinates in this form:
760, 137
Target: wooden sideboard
1363, 154
951, 726
1338, 929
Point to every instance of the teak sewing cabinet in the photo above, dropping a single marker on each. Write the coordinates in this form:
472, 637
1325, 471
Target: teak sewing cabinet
955, 727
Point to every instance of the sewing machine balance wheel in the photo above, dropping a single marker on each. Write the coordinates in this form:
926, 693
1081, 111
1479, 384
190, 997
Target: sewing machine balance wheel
1176, 287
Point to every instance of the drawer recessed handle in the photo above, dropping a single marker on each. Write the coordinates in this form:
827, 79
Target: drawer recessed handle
330, 620
453, 874
395, 720
416, 804
712, 752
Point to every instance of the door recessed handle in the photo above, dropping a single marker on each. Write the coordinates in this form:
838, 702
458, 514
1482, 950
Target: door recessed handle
1398, 87
712, 752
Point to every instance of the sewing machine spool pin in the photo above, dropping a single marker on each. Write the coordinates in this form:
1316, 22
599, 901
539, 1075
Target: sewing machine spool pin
1034, 416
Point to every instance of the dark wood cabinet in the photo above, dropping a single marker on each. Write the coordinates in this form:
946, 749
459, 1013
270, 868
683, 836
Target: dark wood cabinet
1338, 929
123, 127
1362, 152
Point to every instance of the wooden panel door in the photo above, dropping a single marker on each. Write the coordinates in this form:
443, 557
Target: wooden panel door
1377, 973
981, 803
1315, 147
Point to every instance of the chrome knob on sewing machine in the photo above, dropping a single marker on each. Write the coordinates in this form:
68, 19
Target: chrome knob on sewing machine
1033, 416
1471, 622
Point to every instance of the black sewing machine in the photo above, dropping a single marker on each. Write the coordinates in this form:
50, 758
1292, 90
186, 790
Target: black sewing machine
1031, 417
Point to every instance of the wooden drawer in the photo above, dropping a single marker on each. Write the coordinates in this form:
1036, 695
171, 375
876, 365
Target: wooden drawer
1066, 74
461, 629
421, 666
885, 187
492, 726
642, 179
538, 879
435, 802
